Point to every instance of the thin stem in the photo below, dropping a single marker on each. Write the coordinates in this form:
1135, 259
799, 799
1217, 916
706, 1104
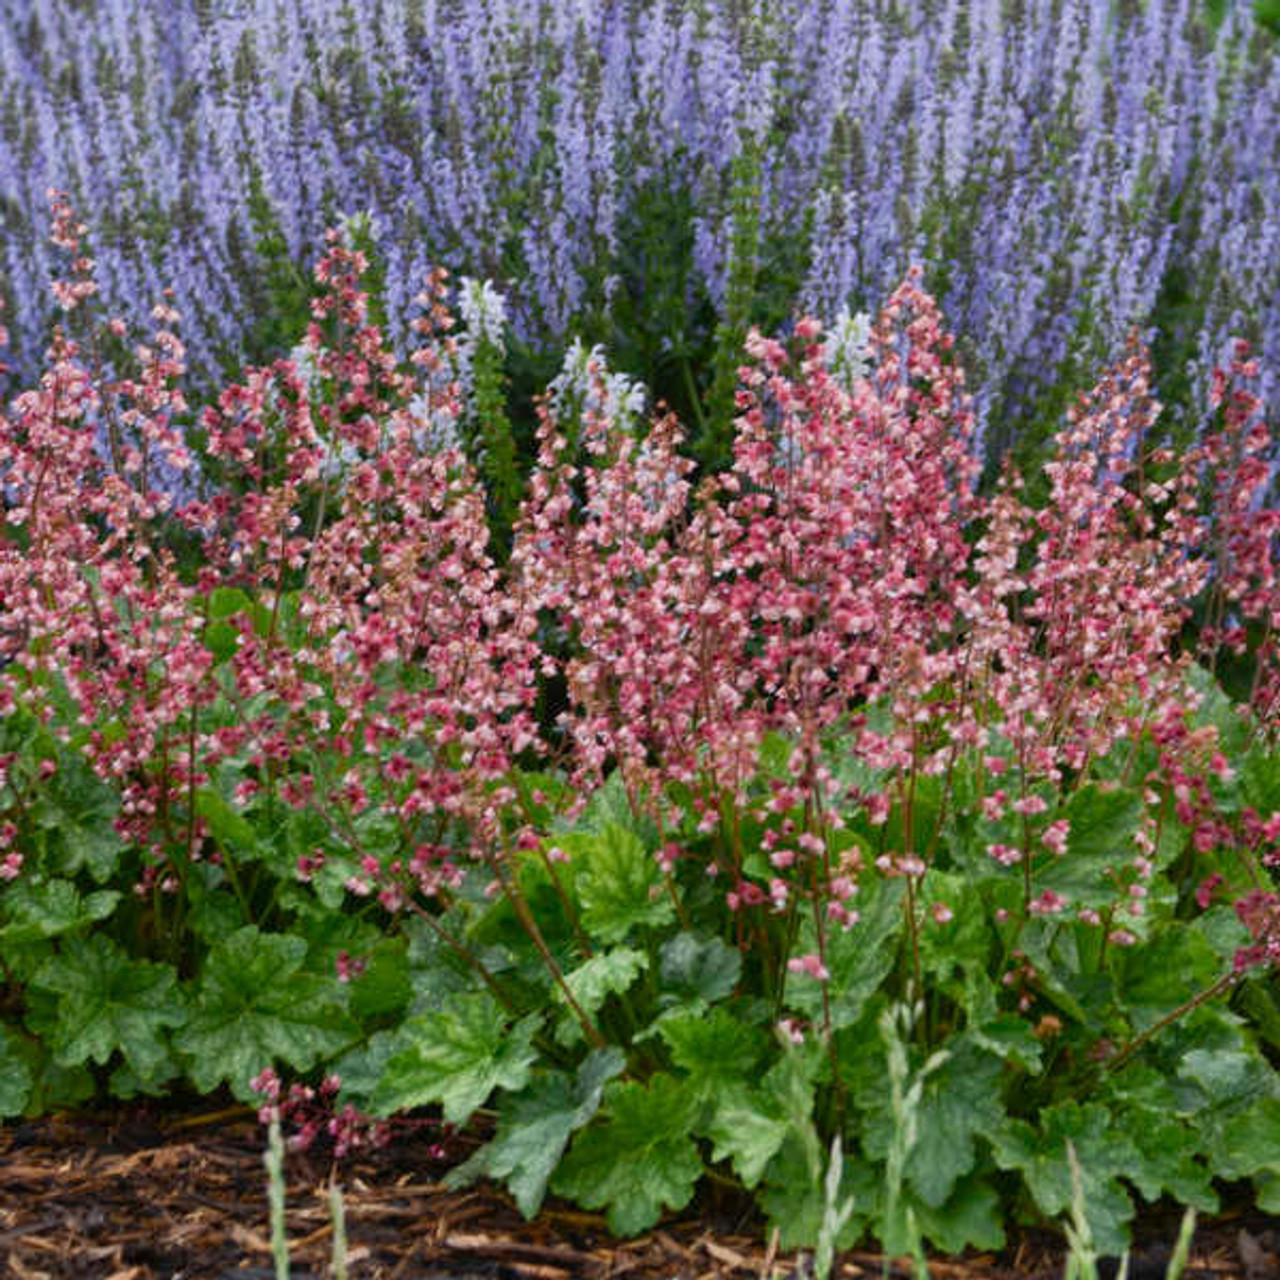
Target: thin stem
1224, 983
525, 916
468, 957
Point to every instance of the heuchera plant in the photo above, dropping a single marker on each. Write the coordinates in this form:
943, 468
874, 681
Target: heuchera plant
676, 834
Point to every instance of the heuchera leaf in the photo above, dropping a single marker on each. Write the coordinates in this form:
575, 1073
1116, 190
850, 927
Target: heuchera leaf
226, 602
230, 829
1158, 976
106, 1001
80, 810
1007, 1035
457, 1056
639, 1160
608, 805
619, 884
858, 958
748, 1127
715, 1048
1102, 829
46, 909
1251, 1141
795, 1203
606, 973
534, 1128
963, 941
1169, 1149
751, 1125
15, 1076
1260, 779
960, 1101
970, 1219
1040, 1155
693, 966
253, 1007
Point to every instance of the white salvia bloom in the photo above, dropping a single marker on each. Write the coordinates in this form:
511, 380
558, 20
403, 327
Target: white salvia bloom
483, 310
847, 348
575, 390
336, 462
361, 225
436, 429
304, 362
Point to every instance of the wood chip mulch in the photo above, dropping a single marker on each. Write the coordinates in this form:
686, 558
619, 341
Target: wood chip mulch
139, 1197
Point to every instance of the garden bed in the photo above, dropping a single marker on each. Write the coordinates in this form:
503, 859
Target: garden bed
136, 1196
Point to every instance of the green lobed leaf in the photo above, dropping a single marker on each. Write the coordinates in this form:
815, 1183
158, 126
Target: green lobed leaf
751, 1125
618, 883
1218, 710
1007, 1035
1260, 779
1267, 1193
79, 809
15, 1076
227, 602
608, 806
639, 1160
960, 1100
970, 1219
222, 640
1259, 999
1040, 1155
593, 982
41, 909
383, 988
716, 1049
457, 1056
794, 1201
107, 1001
1171, 1160
535, 1126
254, 1007
748, 1127
1251, 1141
858, 958
690, 965
1162, 973
232, 830
361, 1068
52, 1086
1103, 824
962, 942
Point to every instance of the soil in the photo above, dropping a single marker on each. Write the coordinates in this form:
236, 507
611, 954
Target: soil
133, 1195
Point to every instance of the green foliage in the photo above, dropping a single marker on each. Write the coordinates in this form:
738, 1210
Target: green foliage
535, 1126
632, 1031
15, 1076
457, 1056
104, 1002
493, 443
255, 1005
617, 882
639, 1160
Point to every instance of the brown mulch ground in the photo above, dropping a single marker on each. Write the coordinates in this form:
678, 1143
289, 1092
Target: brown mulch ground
144, 1197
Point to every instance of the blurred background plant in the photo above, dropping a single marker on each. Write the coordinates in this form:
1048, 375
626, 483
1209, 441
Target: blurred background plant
656, 178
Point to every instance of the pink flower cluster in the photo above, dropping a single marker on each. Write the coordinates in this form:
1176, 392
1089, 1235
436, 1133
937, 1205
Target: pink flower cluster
843, 579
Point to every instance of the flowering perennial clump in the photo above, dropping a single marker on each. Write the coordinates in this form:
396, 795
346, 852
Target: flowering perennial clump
641, 822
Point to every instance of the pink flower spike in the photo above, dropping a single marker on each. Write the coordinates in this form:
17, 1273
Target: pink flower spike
809, 964
792, 1030
1047, 904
